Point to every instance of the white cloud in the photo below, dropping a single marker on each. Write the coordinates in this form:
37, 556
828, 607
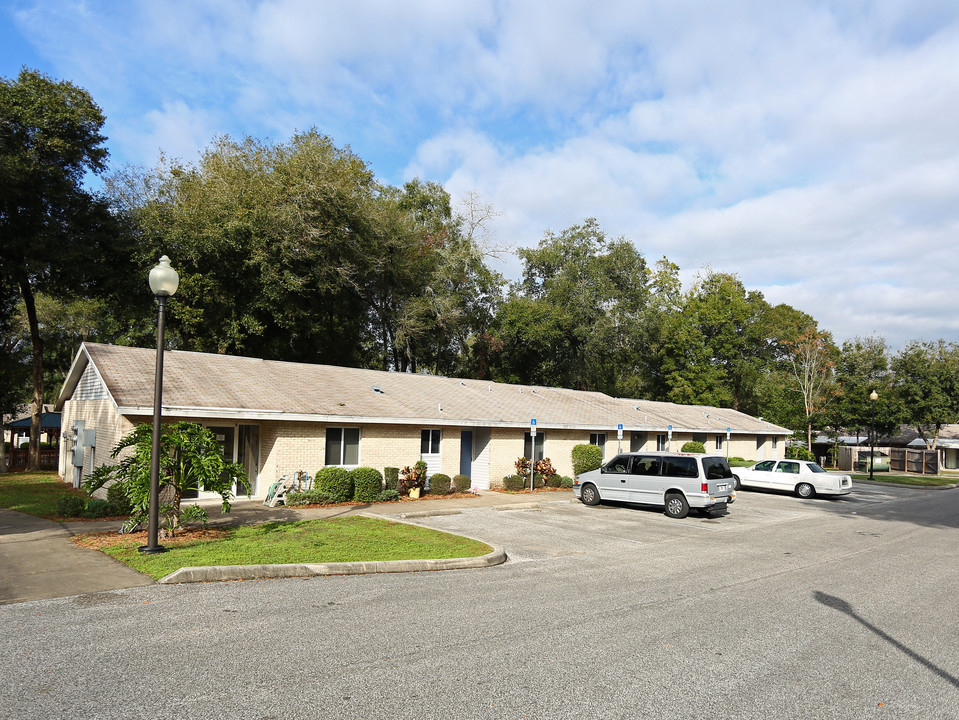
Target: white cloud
808, 146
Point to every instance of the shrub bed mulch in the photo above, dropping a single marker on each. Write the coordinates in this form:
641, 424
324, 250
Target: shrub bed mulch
109, 538
527, 491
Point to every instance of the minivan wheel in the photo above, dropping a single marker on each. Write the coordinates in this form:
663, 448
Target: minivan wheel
676, 506
805, 490
589, 495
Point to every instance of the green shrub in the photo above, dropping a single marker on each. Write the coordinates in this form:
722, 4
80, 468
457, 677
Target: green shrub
309, 497
99, 508
335, 482
117, 497
693, 446
565, 481
392, 477
367, 484
388, 495
553, 481
798, 452
461, 483
440, 484
539, 480
514, 482
71, 505
586, 458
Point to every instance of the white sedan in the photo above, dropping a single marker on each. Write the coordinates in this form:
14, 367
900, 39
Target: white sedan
804, 478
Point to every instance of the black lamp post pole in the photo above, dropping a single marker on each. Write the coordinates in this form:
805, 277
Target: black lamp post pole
152, 546
872, 435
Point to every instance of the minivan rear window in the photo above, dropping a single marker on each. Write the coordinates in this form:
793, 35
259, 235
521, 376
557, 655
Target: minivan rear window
716, 468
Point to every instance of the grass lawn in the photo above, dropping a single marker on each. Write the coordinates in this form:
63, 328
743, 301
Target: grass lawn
918, 480
344, 539
34, 493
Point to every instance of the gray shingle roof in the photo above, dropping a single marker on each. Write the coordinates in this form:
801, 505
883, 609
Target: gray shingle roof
201, 384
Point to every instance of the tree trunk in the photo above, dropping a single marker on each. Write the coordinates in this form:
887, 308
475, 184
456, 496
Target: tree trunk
26, 292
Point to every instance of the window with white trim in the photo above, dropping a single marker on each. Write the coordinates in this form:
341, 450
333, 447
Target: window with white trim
342, 446
598, 439
430, 441
529, 451
719, 442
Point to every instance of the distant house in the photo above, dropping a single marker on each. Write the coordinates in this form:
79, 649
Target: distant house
280, 417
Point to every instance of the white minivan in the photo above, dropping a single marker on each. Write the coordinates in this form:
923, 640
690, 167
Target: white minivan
677, 481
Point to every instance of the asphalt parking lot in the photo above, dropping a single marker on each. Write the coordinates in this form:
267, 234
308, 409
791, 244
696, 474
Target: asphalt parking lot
564, 528
782, 608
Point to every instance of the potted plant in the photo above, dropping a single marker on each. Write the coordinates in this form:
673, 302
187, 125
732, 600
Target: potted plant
412, 479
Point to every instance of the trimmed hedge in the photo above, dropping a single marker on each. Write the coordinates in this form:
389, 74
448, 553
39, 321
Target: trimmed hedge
586, 458
308, 497
440, 484
565, 481
335, 482
367, 484
71, 505
514, 482
388, 495
554, 481
392, 477
693, 446
461, 483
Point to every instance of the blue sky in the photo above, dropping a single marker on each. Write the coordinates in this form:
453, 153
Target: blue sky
810, 147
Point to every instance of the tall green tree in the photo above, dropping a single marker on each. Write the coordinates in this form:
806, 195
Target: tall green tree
713, 350
861, 367
926, 385
577, 317
432, 295
812, 359
270, 242
55, 233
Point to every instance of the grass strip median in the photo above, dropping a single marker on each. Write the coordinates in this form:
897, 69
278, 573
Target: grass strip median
914, 480
346, 539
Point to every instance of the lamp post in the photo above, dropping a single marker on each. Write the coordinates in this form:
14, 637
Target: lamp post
873, 396
164, 281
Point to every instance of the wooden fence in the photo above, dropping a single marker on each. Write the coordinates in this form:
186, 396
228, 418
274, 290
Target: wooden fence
17, 459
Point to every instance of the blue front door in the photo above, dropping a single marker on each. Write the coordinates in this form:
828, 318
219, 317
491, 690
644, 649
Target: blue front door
466, 453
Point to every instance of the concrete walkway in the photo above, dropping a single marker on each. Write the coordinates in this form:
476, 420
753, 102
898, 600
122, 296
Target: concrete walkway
38, 561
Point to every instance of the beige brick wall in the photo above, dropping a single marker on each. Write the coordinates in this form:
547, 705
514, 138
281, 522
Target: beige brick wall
99, 415
288, 447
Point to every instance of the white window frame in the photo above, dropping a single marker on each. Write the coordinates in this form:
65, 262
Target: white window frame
538, 442
434, 434
342, 446
599, 439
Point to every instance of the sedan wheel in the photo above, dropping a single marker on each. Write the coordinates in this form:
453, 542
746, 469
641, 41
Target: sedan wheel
737, 485
805, 490
589, 495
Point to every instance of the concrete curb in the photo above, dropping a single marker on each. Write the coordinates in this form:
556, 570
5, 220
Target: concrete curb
264, 572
